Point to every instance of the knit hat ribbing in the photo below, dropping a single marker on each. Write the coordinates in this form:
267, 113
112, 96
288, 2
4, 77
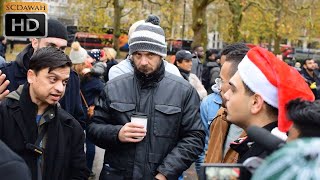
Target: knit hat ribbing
150, 38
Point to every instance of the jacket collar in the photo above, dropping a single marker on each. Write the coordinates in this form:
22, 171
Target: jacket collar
22, 60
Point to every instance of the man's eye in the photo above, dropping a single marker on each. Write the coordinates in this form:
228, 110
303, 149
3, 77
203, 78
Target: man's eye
65, 82
52, 79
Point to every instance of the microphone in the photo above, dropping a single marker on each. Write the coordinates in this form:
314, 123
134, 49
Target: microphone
252, 163
265, 139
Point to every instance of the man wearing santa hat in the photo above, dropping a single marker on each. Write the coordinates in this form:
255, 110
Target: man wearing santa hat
259, 91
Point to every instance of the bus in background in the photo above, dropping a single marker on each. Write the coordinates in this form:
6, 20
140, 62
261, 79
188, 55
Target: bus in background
90, 40
98, 40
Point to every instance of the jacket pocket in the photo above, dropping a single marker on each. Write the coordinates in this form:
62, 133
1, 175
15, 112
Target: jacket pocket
122, 107
122, 111
166, 120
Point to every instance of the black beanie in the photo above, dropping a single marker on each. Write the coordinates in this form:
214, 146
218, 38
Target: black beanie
57, 29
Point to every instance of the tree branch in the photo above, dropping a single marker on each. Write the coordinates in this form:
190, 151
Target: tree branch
106, 6
156, 3
122, 15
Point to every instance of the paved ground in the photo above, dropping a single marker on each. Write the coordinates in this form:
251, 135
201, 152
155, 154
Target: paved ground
190, 174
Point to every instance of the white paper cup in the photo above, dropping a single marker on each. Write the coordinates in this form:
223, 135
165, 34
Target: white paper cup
142, 120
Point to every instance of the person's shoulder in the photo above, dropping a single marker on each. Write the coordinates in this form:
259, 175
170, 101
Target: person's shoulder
7, 65
193, 76
176, 79
212, 98
122, 77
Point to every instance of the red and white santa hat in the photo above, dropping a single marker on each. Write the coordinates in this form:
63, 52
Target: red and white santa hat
274, 80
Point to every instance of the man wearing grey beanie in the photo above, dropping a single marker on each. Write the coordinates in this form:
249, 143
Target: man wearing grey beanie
16, 71
125, 66
147, 120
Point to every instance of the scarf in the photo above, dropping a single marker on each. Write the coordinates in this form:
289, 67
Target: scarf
185, 74
150, 80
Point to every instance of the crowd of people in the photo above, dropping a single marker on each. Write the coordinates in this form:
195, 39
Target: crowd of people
154, 119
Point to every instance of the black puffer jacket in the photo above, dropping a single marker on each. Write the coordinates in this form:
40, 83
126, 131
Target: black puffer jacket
175, 135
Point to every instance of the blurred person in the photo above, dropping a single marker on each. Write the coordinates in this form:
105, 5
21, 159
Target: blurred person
97, 66
211, 69
297, 160
12, 166
110, 58
2, 60
218, 130
3, 46
184, 63
16, 71
126, 65
173, 137
48, 138
197, 66
311, 76
259, 92
297, 65
305, 116
90, 88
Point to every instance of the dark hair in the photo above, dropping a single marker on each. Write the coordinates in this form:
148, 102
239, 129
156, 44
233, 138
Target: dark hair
209, 52
49, 57
305, 61
235, 57
2, 38
232, 47
272, 111
306, 116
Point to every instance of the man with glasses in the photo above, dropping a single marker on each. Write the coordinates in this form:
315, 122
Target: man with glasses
16, 71
221, 132
148, 121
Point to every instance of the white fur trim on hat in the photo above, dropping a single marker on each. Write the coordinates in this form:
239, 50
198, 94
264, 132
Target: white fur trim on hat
253, 77
275, 131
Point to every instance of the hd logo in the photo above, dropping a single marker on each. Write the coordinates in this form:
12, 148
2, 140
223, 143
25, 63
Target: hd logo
25, 19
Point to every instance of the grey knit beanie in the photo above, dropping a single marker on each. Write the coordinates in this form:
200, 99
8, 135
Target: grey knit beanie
150, 38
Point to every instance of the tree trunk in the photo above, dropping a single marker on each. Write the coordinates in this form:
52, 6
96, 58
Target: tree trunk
199, 23
236, 9
1, 17
277, 37
116, 25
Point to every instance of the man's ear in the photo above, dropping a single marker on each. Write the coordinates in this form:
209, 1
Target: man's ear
35, 43
31, 75
256, 103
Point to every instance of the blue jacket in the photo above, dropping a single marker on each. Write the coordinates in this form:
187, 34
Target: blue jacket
208, 111
16, 73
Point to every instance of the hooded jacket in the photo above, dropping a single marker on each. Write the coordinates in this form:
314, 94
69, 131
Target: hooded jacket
63, 156
16, 73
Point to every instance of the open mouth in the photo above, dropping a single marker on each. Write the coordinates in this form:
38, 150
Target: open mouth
55, 96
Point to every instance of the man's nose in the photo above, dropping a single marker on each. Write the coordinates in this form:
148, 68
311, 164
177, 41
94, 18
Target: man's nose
144, 60
59, 86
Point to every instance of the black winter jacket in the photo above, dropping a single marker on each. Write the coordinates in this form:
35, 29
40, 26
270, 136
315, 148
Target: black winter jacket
64, 156
175, 134
16, 73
